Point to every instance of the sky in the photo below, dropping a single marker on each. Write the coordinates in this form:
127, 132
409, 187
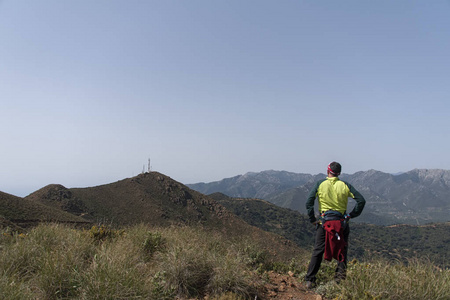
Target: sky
90, 90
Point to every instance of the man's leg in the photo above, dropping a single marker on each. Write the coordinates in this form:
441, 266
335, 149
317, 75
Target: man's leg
341, 268
317, 255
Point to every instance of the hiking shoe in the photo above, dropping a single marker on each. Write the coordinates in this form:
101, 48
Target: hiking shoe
310, 285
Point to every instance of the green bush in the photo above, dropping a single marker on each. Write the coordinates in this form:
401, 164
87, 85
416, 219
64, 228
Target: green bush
152, 243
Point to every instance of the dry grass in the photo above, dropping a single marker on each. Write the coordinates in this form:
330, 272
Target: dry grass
57, 262
383, 279
141, 262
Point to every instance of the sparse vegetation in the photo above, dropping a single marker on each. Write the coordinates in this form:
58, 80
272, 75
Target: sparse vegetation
142, 262
383, 279
402, 242
57, 262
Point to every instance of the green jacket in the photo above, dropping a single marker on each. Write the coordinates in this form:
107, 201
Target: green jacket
333, 194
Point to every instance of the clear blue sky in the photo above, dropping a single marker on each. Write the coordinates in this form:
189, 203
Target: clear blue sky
89, 90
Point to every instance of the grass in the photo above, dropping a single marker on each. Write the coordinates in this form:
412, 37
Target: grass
142, 262
57, 262
383, 279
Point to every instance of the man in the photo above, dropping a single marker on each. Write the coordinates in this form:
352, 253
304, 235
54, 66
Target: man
332, 194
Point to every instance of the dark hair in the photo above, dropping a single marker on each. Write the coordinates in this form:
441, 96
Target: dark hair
336, 167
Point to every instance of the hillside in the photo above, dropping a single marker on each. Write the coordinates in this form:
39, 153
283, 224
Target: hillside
400, 242
150, 198
269, 217
157, 200
414, 197
18, 212
403, 242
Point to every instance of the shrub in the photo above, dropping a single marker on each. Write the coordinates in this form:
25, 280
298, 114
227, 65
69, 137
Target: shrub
103, 232
116, 270
152, 243
197, 263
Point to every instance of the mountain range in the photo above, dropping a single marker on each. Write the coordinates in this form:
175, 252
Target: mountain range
419, 196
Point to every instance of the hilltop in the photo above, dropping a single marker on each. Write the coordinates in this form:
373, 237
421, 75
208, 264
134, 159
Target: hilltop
149, 198
419, 196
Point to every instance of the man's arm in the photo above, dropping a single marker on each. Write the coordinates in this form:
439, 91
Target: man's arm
310, 203
360, 202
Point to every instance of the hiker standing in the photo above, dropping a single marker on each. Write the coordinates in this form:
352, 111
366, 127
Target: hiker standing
332, 228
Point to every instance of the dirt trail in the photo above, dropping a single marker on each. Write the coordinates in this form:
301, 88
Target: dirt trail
285, 287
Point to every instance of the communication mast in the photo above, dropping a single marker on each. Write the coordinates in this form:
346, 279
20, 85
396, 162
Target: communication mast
149, 166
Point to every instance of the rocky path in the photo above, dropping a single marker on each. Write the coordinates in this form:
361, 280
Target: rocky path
286, 287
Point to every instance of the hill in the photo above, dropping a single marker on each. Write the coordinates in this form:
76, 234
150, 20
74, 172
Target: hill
416, 197
157, 200
18, 212
403, 242
150, 198
283, 221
